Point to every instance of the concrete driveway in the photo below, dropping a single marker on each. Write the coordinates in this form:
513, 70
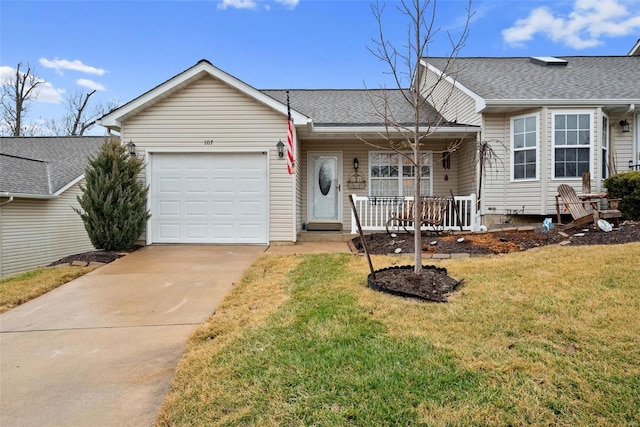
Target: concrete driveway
102, 349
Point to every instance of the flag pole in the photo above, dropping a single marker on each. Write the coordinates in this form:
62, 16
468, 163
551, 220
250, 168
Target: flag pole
290, 158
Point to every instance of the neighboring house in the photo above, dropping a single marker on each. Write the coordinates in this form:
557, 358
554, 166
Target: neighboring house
39, 182
548, 119
209, 143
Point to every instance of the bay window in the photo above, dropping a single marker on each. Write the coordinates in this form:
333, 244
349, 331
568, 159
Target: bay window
571, 144
524, 147
605, 147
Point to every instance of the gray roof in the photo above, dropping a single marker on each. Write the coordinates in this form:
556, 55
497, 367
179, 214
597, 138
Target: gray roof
41, 166
350, 107
583, 78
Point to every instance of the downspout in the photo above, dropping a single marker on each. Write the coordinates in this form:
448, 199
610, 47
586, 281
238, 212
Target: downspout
635, 152
632, 108
5, 194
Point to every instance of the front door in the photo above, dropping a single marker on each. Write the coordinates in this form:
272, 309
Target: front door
323, 181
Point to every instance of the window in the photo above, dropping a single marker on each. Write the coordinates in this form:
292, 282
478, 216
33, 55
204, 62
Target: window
390, 174
524, 146
572, 144
605, 147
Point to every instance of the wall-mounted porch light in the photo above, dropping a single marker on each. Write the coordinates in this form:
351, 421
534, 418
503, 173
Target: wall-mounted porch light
132, 148
280, 147
624, 124
356, 165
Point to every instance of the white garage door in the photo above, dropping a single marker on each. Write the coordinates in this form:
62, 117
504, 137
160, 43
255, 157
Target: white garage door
209, 198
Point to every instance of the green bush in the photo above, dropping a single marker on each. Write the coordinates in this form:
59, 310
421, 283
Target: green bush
626, 187
114, 201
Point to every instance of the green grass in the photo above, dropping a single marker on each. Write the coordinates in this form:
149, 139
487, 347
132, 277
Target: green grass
20, 288
529, 340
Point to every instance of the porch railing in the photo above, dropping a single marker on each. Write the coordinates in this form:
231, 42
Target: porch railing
374, 212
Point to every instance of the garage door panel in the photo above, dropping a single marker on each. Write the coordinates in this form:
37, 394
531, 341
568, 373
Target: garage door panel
196, 185
169, 185
168, 208
169, 232
198, 208
196, 231
209, 198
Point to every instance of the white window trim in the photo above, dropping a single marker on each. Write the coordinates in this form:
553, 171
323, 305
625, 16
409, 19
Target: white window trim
427, 153
537, 148
605, 139
553, 143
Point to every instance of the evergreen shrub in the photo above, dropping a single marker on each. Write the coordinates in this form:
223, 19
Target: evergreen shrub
626, 187
113, 201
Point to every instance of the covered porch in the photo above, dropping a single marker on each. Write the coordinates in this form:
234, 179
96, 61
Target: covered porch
384, 213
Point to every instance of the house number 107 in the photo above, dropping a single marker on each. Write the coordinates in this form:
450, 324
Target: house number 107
208, 142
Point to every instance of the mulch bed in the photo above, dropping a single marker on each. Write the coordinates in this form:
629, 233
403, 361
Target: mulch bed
103, 257
495, 243
435, 285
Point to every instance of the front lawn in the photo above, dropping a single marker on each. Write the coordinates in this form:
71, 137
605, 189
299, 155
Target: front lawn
543, 337
20, 288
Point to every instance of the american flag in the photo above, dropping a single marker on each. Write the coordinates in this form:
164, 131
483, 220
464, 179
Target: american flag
290, 161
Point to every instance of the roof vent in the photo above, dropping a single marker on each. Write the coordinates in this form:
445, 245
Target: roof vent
548, 60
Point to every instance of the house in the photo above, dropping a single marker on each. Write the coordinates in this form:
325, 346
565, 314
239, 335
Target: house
210, 145
548, 119
216, 172
40, 178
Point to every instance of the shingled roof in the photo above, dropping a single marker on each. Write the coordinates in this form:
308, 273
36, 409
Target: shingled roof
351, 107
42, 166
582, 78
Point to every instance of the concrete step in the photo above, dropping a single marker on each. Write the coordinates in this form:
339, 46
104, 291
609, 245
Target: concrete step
324, 236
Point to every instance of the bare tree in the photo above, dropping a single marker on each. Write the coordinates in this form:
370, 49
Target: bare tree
17, 92
78, 118
406, 64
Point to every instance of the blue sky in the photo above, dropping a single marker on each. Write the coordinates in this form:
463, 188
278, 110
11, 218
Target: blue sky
124, 48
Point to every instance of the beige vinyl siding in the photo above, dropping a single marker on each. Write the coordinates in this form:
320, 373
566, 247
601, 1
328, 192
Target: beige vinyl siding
622, 143
36, 232
466, 169
451, 102
350, 148
209, 110
493, 197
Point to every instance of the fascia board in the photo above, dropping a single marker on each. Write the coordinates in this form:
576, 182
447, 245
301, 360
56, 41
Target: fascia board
480, 101
29, 196
69, 185
114, 119
559, 102
381, 129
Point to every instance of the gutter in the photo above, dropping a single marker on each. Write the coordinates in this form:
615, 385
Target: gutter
559, 102
8, 201
27, 196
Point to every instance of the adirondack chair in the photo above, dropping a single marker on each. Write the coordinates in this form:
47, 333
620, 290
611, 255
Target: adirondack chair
578, 208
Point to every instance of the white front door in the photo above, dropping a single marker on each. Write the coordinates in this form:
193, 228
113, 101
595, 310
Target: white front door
324, 178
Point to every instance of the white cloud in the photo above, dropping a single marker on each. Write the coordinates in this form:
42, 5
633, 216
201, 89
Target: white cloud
49, 94
253, 4
45, 92
237, 4
288, 3
585, 26
64, 64
89, 84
